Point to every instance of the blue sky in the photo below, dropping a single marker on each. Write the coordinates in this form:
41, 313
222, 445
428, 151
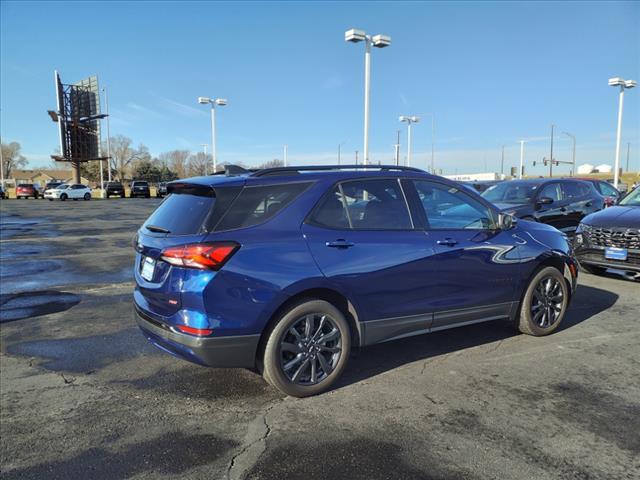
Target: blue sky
491, 72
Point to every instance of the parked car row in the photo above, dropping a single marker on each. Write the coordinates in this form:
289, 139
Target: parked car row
138, 188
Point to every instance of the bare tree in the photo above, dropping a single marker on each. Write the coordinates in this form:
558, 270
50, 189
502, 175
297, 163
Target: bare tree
176, 160
272, 164
123, 155
198, 164
11, 158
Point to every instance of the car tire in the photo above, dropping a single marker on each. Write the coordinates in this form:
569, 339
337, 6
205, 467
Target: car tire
320, 320
593, 269
544, 304
63, 197
51, 199
87, 196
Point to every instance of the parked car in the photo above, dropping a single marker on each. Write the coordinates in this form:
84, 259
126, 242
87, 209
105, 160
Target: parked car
114, 188
50, 186
481, 185
68, 191
26, 190
622, 187
3, 194
274, 270
140, 189
561, 203
608, 191
611, 238
161, 190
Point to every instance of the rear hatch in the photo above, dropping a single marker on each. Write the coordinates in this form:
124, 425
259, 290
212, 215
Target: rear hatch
183, 218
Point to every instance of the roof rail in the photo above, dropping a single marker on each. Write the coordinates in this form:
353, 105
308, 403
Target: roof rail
293, 170
231, 170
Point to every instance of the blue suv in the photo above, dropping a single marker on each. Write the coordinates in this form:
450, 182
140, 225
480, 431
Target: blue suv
285, 270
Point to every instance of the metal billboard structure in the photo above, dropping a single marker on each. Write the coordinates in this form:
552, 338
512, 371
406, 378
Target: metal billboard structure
78, 117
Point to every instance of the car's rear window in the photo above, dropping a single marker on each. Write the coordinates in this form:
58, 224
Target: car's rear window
181, 214
257, 204
140, 184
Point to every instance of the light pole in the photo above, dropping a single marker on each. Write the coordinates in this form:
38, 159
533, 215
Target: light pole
379, 41
213, 102
340, 151
623, 84
409, 120
573, 154
204, 149
396, 148
106, 103
285, 155
502, 163
522, 142
628, 148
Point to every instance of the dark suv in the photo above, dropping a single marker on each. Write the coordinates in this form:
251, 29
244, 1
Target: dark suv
561, 203
140, 189
114, 188
285, 270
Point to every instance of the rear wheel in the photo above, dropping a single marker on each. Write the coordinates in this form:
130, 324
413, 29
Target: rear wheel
544, 304
87, 196
308, 349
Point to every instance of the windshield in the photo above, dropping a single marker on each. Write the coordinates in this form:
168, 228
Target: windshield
633, 199
510, 192
62, 186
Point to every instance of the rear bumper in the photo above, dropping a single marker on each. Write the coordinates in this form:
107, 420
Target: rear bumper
225, 352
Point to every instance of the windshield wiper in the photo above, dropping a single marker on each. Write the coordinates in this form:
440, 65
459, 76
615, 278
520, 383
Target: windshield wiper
153, 228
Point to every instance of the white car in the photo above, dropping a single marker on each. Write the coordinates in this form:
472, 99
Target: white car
67, 190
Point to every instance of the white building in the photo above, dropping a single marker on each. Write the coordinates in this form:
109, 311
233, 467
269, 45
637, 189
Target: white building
585, 168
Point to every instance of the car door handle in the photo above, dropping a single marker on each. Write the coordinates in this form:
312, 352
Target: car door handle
340, 243
447, 241
563, 209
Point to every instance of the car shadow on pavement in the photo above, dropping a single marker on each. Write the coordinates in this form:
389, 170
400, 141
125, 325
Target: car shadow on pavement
377, 359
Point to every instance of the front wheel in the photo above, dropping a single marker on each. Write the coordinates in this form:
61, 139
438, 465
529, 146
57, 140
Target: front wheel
544, 304
308, 349
63, 197
87, 196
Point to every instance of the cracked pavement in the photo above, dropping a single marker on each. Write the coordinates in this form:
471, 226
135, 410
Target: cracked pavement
83, 395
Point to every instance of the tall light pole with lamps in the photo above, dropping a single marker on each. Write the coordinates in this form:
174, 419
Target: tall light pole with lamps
213, 102
379, 41
623, 84
409, 120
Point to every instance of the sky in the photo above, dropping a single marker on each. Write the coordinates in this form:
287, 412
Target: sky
490, 73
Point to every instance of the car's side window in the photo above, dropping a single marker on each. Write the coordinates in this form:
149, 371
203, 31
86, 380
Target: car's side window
608, 190
449, 208
551, 190
572, 190
377, 204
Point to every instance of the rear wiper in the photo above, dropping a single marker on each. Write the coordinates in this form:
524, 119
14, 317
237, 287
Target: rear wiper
153, 228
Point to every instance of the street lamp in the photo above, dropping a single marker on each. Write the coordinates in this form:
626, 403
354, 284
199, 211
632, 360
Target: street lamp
379, 41
213, 102
573, 155
409, 120
623, 84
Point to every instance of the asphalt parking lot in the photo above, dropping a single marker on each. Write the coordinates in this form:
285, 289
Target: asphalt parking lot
84, 396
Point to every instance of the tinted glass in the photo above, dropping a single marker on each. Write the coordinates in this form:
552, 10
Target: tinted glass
257, 204
182, 213
140, 184
552, 190
448, 208
331, 211
574, 190
375, 205
608, 190
510, 192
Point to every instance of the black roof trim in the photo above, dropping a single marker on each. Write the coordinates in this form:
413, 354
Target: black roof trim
296, 170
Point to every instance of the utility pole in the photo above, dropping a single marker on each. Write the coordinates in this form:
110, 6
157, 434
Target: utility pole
285, 155
502, 163
397, 149
106, 103
356, 157
521, 159
551, 157
628, 148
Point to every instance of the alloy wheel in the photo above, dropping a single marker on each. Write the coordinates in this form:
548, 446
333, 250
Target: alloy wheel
310, 349
547, 301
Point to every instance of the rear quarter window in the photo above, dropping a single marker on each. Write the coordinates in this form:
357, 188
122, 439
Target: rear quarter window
257, 204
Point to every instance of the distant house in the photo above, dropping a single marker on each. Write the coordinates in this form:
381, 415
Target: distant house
41, 177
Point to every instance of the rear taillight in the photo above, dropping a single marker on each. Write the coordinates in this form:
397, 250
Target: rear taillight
201, 332
205, 256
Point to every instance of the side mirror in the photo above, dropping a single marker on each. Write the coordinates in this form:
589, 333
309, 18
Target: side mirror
506, 221
545, 200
